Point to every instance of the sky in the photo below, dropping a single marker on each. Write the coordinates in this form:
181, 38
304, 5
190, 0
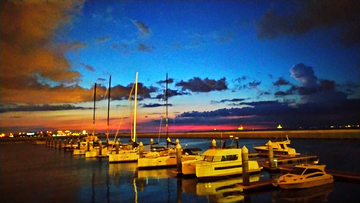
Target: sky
256, 64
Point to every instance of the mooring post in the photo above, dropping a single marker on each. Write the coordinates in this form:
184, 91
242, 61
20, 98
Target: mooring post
100, 148
178, 157
91, 145
87, 145
271, 155
168, 141
245, 165
141, 150
117, 145
78, 143
213, 144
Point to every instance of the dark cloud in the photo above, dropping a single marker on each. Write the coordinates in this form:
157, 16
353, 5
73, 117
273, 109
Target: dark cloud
304, 74
144, 48
44, 107
272, 113
172, 93
90, 68
281, 81
143, 29
313, 89
207, 85
102, 39
309, 15
170, 80
228, 100
153, 105
120, 92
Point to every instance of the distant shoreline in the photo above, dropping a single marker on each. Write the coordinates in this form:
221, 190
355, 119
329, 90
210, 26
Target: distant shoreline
278, 134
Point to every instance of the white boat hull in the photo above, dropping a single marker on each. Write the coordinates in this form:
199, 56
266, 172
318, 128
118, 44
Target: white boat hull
219, 169
126, 156
307, 184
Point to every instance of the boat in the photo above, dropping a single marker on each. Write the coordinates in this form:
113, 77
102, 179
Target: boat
130, 152
94, 145
279, 148
304, 176
218, 162
165, 156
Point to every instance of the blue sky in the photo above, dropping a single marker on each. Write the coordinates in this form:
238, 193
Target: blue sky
230, 63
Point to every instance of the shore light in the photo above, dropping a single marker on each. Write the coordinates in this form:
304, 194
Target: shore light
279, 126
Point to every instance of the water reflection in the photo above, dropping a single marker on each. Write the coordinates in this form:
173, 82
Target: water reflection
225, 190
314, 194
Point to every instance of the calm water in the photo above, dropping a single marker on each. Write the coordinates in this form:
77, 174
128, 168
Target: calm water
36, 173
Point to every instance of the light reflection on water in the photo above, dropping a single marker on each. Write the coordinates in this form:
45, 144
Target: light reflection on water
31, 173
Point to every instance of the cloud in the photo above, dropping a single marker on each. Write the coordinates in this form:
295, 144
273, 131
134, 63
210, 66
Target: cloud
90, 68
170, 80
207, 85
44, 107
120, 92
152, 105
228, 100
28, 49
310, 15
281, 81
272, 113
102, 39
172, 93
144, 48
304, 74
312, 89
143, 29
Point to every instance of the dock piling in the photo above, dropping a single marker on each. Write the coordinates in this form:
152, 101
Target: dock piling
245, 165
213, 143
178, 157
271, 156
100, 148
141, 150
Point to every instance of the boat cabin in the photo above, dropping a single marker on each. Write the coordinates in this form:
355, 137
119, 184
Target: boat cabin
218, 155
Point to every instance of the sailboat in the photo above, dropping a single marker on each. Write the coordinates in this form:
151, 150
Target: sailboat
85, 144
161, 156
131, 153
98, 151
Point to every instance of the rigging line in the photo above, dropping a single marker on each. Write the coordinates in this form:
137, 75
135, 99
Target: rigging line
122, 118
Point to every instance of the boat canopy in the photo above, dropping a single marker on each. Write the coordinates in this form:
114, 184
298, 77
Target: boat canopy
222, 152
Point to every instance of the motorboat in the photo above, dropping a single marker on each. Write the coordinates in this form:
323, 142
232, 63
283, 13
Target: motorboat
279, 148
304, 176
218, 162
166, 157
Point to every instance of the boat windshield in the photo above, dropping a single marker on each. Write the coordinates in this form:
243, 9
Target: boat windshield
297, 171
208, 158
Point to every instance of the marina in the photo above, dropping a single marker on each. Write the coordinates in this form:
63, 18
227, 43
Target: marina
89, 179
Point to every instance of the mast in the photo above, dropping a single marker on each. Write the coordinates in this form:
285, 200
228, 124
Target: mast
135, 105
93, 133
108, 114
166, 105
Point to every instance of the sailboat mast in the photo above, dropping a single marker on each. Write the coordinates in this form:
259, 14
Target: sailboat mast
93, 133
166, 114
108, 113
135, 101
